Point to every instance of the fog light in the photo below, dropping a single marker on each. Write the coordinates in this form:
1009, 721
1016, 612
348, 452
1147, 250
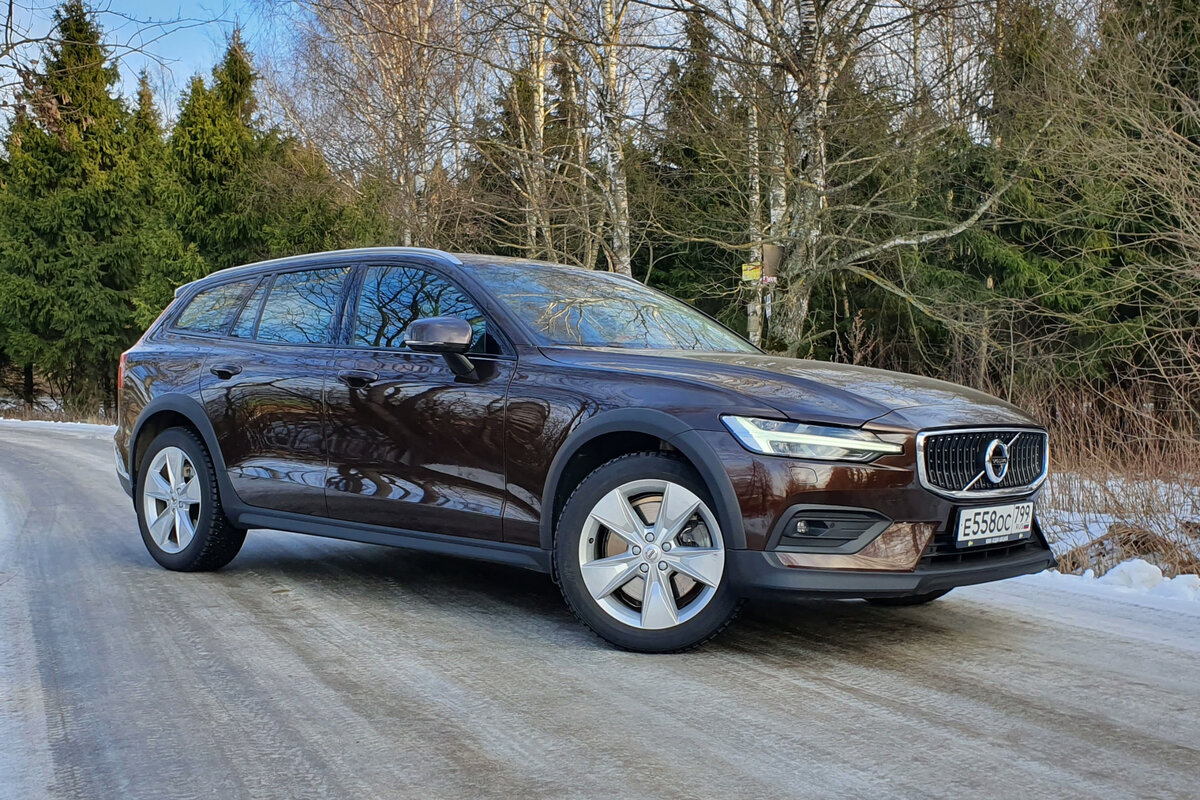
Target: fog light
825, 528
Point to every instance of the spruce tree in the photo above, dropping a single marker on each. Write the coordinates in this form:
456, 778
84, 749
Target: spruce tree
66, 217
246, 192
166, 260
214, 154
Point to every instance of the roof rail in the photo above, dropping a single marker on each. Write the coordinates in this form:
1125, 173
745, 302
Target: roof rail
422, 251
428, 252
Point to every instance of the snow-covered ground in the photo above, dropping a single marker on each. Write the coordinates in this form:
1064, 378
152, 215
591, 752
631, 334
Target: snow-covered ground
1075, 509
1136, 582
1061, 510
70, 428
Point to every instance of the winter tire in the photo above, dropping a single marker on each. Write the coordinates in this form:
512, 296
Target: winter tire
641, 557
179, 505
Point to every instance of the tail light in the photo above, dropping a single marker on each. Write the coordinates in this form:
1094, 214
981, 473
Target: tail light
121, 370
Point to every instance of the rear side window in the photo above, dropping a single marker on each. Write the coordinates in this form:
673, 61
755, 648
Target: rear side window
393, 297
301, 306
211, 310
244, 327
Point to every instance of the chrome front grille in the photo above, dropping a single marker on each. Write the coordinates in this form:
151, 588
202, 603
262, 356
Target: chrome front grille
954, 463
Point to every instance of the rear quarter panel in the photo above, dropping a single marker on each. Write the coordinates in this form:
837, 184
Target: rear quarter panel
161, 363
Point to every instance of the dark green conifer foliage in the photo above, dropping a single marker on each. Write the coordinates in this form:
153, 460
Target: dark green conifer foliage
246, 192
694, 183
68, 217
167, 261
215, 154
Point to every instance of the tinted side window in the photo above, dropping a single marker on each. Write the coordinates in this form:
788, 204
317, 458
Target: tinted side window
392, 297
244, 327
300, 307
212, 310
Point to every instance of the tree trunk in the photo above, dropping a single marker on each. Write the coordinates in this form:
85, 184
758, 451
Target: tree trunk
27, 387
812, 80
981, 368
583, 201
540, 70
613, 134
755, 316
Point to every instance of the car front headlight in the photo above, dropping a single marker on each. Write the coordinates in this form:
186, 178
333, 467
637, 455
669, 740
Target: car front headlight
774, 437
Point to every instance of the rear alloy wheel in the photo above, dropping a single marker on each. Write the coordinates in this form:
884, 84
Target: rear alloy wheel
179, 505
642, 559
171, 499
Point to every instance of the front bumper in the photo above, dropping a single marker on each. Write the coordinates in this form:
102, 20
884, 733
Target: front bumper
757, 573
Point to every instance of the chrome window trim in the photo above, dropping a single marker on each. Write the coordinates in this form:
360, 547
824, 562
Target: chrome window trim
966, 494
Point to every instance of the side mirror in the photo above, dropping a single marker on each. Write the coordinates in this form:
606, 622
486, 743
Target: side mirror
439, 335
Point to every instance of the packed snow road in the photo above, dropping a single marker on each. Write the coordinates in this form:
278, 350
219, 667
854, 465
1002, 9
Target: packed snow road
318, 668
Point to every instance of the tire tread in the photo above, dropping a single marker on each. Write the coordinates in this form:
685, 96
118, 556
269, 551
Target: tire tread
223, 540
567, 597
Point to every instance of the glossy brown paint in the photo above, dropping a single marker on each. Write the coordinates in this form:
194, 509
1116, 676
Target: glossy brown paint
415, 447
153, 368
270, 421
548, 400
419, 447
542, 412
812, 391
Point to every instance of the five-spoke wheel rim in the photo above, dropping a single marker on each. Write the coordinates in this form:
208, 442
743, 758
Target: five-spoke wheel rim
171, 499
651, 554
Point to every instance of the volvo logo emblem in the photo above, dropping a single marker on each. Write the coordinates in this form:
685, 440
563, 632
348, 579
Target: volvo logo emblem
995, 461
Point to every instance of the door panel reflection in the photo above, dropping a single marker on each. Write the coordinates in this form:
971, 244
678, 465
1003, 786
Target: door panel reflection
418, 448
269, 422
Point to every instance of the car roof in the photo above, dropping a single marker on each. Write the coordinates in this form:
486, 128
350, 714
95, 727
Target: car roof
429, 254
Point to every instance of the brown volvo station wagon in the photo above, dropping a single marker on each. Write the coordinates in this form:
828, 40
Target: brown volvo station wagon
578, 423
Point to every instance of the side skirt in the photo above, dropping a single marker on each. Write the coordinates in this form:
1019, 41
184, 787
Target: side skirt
517, 555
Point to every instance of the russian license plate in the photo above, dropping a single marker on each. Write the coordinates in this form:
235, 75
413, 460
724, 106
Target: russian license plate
994, 524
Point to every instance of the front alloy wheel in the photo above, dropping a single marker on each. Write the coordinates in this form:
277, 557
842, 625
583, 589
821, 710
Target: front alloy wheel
640, 555
651, 554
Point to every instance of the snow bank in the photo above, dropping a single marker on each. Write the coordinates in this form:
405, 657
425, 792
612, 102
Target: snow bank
1142, 576
77, 429
1075, 509
1135, 581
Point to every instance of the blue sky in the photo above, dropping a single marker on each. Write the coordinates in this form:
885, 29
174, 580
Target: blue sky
176, 38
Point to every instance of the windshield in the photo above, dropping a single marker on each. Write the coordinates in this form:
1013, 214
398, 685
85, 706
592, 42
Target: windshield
600, 309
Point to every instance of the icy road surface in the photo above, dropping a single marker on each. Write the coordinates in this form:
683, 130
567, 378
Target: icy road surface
318, 668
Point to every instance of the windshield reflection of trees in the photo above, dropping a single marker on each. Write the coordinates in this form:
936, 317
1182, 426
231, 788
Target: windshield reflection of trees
594, 310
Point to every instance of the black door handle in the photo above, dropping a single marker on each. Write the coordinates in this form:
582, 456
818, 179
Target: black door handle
225, 371
357, 378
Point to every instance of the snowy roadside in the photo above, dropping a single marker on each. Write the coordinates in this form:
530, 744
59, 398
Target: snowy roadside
1134, 582
79, 429
1076, 510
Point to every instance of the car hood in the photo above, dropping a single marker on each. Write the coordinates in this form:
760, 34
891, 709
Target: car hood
812, 391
